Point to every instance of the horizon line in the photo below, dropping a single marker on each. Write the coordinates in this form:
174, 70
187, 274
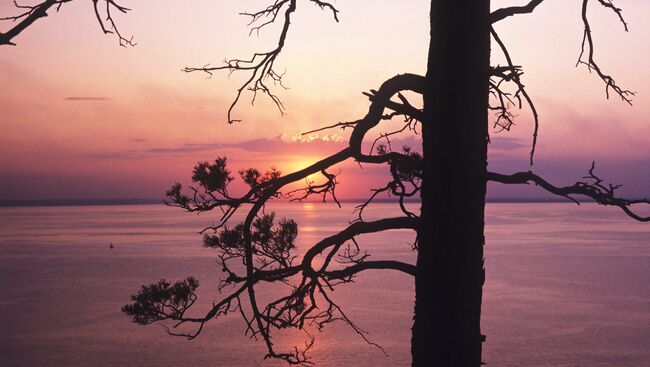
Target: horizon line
150, 201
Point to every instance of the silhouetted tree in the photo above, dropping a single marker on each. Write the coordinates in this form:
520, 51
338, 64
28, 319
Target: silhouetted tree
459, 89
450, 176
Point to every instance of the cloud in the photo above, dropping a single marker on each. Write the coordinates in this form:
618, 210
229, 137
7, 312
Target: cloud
508, 143
280, 144
185, 148
113, 155
86, 98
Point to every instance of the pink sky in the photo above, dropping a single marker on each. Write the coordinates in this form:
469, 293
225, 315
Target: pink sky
85, 118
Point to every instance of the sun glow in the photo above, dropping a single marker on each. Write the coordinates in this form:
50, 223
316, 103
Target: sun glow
296, 163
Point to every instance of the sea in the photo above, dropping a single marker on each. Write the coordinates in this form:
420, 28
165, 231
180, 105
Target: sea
566, 285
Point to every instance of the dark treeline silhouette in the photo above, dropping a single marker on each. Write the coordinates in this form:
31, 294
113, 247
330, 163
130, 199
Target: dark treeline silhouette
461, 92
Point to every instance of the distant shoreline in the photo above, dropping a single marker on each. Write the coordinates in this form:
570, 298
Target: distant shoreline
114, 202
79, 202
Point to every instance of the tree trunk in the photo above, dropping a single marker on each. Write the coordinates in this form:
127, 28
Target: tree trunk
450, 274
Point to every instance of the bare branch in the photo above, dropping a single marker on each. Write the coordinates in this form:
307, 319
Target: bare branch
515, 76
587, 49
350, 271
603, 194
503, 13
28, 17
328, 187
108, 25
260, 65
619, 12
32, 13
329, 6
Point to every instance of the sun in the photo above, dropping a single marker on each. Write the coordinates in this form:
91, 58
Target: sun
296, 163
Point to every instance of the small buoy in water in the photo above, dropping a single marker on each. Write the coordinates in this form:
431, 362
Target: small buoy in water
111, 246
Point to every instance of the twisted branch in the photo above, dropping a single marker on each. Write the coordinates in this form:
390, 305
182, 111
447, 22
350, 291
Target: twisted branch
503, 13
594, 188
32, 13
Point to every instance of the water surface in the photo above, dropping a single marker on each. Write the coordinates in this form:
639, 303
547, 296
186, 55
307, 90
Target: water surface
566, 286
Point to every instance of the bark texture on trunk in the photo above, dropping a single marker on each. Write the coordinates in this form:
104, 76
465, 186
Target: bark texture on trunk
450, 274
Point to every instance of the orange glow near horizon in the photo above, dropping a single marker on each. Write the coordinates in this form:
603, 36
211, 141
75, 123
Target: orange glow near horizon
297, 163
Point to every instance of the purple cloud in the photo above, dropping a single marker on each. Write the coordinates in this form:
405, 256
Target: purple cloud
508, 143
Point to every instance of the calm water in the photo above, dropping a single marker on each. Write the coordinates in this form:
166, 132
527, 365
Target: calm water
566, 286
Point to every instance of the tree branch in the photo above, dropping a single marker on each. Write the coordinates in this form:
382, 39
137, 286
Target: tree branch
261, 64
34, 12
349, 271
603, 194
587, 48
515, 76
503, 13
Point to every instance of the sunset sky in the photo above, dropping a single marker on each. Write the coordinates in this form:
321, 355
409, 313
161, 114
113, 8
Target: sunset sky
84, 118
